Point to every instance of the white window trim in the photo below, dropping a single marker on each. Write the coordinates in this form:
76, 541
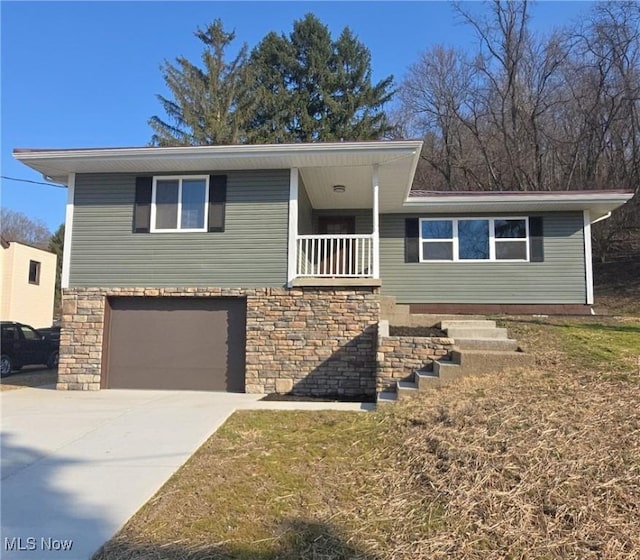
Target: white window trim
179, 178
492, 239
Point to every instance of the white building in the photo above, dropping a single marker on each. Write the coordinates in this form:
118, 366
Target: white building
27, 284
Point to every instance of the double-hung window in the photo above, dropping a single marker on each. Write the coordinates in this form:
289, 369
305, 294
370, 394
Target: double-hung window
179, 204
474, 239
437, 240
511, 239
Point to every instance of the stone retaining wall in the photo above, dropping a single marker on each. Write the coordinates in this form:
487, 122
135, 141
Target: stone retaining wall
309, 341
400, 356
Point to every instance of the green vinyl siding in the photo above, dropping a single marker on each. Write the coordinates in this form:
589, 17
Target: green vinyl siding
305, 211
559, 279
251, 252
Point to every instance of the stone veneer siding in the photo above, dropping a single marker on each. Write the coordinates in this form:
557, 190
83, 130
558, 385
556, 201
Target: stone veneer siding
309, 341
400, 356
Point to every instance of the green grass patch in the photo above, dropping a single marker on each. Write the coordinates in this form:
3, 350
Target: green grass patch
596, 344
275, 484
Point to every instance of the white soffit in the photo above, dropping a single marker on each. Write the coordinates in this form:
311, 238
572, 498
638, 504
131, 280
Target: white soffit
394, 178
400, 156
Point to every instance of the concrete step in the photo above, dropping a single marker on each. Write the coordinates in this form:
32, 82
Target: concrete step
386, 397
399, 319
399, 316
426, 379
447, 370
505, 344
467, 323
487, 361
476, 332
406, 389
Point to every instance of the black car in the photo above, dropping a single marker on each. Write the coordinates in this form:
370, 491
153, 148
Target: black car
52, 333
22, 345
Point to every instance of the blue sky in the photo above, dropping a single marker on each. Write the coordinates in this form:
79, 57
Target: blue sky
85, 74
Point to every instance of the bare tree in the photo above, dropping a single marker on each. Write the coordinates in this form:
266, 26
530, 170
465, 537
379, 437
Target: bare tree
16, 226
529, 112
603, 145
435, 91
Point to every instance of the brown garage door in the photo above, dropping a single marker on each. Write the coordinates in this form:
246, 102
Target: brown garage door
176, 343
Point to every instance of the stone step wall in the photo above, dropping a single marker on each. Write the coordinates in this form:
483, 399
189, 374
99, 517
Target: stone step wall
400, 356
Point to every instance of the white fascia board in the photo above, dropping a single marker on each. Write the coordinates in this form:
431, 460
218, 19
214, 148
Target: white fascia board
59, 163
598, 203
539, 198
230, 151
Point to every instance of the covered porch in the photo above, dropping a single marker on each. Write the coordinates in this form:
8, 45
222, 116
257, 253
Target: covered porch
334, 213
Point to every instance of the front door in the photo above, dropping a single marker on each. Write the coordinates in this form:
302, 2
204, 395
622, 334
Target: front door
337, 255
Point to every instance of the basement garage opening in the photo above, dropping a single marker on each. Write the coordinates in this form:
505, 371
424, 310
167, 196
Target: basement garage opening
175, 343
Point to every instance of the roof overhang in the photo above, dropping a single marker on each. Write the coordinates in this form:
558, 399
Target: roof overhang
598, 203
321, 165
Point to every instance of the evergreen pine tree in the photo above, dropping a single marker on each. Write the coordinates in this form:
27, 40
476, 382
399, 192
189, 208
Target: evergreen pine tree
304, 87
312, 88
210, 104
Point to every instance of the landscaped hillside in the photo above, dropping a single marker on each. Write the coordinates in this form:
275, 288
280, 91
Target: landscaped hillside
543, 463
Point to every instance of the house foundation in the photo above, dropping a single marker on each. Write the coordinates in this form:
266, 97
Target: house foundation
315, 341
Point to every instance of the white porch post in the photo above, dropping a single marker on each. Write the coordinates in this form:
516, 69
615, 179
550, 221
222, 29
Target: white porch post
376, 224
293, 226
588, 263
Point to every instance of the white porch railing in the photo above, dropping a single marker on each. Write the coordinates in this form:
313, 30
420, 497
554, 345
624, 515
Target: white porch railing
329, 256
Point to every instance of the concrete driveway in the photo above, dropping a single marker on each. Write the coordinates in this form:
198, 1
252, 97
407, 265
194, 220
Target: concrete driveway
77, 465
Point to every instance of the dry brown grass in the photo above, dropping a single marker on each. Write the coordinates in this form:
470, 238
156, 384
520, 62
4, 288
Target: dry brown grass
537, 464
616, 285
528, 465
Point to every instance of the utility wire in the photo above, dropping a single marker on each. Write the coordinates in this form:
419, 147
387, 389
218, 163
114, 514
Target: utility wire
34, 182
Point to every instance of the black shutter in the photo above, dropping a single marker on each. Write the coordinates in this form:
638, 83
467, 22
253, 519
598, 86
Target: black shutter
217, 201
142, 207
536, 239
411, 240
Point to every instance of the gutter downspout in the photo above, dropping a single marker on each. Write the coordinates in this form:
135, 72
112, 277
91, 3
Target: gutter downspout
601, 218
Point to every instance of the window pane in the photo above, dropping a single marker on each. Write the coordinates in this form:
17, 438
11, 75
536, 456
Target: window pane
30, 334
193, 203
437, 229
511, 250
437, 251
473, 238
167, 204
510, 229
9, 332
